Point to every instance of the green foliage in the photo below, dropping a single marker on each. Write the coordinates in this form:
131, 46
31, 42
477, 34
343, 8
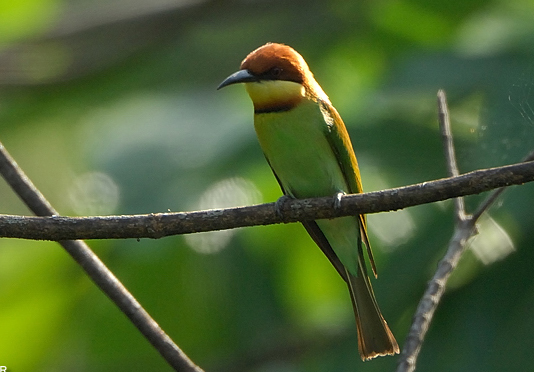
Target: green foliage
112, 113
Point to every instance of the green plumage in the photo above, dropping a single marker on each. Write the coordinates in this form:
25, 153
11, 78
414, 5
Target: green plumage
297, 146
310, 153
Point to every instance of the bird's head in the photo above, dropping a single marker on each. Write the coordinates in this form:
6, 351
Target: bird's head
277, 78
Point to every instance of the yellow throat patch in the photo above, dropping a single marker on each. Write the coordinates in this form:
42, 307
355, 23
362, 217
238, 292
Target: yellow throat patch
275, 95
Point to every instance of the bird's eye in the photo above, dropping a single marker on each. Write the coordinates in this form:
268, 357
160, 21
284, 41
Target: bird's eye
276, 71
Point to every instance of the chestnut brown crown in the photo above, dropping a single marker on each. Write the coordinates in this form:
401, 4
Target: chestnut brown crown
274, 61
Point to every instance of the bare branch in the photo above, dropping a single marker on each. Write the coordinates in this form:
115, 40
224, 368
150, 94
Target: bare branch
495, 193
96, 269
432, 296
464, 229
165, 224
448, 148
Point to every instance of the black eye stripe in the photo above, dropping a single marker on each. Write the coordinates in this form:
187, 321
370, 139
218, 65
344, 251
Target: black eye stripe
276, 71
272, 74
279, 73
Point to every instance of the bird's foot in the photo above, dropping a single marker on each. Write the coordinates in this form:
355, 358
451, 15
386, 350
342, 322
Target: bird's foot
337, 199
279, 204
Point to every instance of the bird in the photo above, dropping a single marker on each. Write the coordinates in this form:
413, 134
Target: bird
309, 150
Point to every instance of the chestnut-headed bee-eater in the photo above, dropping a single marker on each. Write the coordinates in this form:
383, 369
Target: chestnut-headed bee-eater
309, 150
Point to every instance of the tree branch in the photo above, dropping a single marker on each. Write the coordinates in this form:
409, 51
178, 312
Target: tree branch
96, 269
465, 228
486, 204
448, 149
164, 224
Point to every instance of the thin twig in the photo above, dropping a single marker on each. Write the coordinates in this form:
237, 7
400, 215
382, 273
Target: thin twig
448, 147
495, 193
431, 298
96, 269
465, 228
164, 224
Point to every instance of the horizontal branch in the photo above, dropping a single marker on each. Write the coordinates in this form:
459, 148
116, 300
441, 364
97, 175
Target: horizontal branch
157, 225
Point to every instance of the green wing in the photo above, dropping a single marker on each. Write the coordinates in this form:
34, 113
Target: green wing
317, 236
339, 140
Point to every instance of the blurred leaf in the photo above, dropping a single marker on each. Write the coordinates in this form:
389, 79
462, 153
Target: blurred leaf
24, 18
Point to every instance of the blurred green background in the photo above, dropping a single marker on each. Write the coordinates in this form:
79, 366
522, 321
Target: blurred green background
111, 108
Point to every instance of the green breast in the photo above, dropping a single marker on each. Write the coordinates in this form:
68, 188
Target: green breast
296, 146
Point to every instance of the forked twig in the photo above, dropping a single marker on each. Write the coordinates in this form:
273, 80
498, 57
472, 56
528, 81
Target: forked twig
465, 228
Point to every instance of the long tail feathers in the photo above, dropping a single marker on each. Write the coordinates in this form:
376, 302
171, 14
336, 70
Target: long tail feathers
374, 336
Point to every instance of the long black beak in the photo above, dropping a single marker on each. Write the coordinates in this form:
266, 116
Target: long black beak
241, 76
